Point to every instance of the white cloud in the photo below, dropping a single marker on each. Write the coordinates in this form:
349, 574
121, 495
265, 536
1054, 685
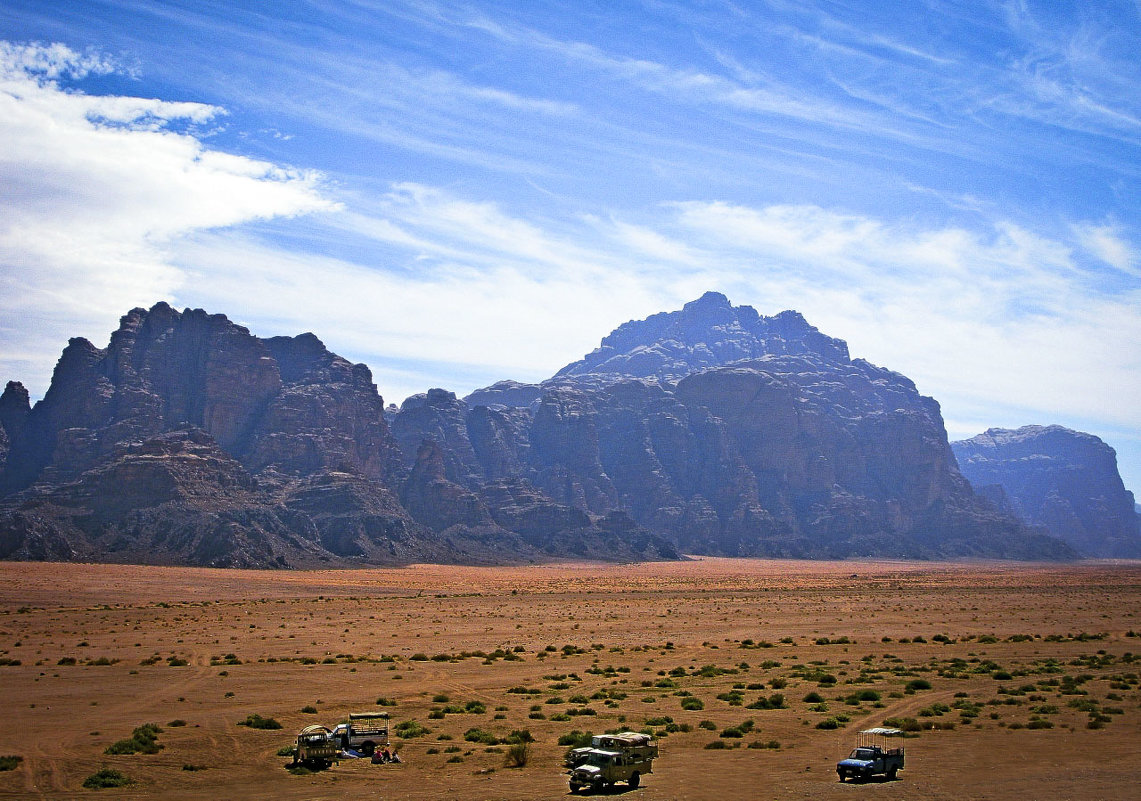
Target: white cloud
1107, 243
96, 190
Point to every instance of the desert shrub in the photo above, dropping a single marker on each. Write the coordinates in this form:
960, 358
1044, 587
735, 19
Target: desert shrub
517, 755
707, 724
409, 728
692, 704
106, 777
828, 723
382, 701
476, 735
176, 723
441, 698
716, 745
175, 661
918, 684
10, 762
576, 738
309, 709
143, 740
813, 698
255, 721
192, 767
774, 701
285, 750
475, 708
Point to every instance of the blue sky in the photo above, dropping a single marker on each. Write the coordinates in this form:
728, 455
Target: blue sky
455, 193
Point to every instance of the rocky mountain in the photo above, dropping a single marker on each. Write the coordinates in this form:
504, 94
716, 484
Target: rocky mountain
190, 441
1065, 481
710, 430
739, 434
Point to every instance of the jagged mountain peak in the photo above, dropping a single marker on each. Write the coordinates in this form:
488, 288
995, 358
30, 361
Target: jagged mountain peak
707, 332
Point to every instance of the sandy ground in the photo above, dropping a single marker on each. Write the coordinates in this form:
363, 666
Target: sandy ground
1000, 646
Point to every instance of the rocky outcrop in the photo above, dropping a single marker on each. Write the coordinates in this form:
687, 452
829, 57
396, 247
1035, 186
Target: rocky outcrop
737, 434
190, 441
1065, 481
710, 430
707, 332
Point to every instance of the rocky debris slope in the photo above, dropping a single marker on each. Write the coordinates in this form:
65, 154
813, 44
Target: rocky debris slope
189, 441
1065, 481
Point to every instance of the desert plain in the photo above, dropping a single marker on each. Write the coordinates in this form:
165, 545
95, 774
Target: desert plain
1016, 681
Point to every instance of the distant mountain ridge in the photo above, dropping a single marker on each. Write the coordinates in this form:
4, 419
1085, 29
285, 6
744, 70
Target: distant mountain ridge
1065, 481
711, 429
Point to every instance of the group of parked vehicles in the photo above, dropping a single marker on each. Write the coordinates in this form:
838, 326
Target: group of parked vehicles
319, 746
610, 758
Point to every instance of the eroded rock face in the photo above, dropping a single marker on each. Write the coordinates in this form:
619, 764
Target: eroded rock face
732, 433
190, 441
710, 430
707, 332
727, 433
1066, 481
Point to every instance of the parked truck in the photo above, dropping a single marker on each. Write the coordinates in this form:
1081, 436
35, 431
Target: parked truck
872, 756
315, 748
623, 757
363, 731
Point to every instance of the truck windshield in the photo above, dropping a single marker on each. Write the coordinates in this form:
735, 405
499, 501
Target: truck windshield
599, 760
863, 754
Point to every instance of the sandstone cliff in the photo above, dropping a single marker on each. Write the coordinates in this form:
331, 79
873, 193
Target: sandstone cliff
189, 440
1065, 481
738, 434
710, 430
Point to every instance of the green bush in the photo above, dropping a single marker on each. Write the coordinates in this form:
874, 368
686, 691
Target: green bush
517, 755
256, 721
476, 735
576, 738
692, 704
143, 740
10, 762
409, 729
106, 777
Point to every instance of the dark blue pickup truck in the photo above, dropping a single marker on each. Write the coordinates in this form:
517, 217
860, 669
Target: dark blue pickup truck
872, 756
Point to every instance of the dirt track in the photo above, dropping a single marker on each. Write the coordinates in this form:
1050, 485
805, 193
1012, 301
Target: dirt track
999, 647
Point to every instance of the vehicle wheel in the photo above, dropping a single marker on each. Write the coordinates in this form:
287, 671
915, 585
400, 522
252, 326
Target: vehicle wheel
368, 748
891, 775
635, 779
841, 778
